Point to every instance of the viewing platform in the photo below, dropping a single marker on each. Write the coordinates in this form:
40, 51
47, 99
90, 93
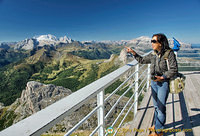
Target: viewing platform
183, 111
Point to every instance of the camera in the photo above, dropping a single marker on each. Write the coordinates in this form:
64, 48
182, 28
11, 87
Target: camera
153, 78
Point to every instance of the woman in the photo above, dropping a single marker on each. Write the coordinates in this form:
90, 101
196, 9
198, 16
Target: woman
160, 75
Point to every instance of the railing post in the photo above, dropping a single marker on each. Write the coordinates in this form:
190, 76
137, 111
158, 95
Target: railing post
148, 76
136, 88
100, 113
176, 53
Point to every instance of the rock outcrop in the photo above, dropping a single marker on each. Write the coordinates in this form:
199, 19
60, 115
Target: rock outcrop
37, 96
125, 57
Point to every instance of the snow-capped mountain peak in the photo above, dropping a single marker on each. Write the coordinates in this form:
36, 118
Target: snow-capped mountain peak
65, 39
141, 38
47, 37
42, 40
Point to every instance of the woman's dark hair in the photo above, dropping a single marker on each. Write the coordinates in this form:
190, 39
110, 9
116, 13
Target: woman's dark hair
162, 39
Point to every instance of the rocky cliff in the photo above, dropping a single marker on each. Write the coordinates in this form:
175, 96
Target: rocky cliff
36, 97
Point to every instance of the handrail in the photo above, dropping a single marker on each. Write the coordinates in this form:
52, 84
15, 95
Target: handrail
188, 65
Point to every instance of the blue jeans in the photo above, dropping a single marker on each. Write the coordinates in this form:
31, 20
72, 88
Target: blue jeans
160, 91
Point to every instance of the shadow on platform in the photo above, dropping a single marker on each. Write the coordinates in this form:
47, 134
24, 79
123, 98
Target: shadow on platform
187, 122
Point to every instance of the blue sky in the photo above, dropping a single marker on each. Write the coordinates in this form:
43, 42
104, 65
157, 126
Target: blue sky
100, 19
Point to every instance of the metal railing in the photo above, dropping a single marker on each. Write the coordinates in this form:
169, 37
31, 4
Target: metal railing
189, 61
45, 119
189, 66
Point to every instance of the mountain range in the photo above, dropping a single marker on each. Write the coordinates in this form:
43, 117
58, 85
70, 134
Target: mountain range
39, 41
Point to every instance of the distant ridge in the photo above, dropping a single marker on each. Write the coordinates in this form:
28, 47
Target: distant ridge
195, 46
41, 40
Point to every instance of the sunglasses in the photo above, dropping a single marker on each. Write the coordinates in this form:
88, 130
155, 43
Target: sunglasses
154, 41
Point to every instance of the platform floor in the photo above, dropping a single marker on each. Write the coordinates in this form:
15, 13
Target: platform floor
183, 111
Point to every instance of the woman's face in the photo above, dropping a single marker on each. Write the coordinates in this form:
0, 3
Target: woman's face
155, 44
